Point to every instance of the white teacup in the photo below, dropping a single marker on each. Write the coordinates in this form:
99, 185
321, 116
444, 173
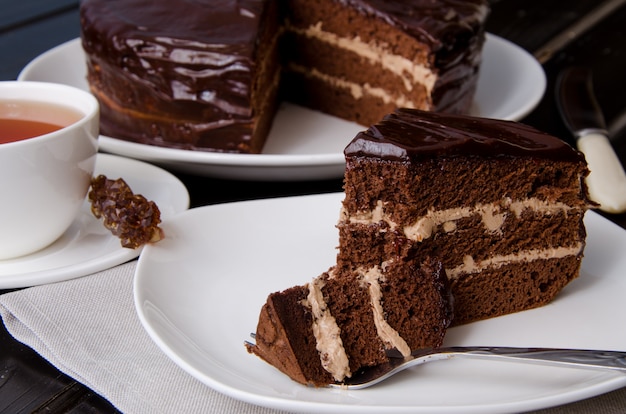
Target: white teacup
43, 179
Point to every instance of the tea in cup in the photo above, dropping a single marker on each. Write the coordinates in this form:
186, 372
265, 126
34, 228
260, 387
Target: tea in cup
48, 147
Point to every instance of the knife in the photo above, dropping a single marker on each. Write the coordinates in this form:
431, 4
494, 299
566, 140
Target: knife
582, 116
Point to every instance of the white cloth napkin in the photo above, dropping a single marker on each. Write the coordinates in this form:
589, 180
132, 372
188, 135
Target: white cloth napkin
88, 328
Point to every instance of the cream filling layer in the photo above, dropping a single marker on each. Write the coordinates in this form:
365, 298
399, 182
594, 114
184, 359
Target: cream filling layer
371, 278
356, 90
492, 216
327, 334
469, 266
376, 53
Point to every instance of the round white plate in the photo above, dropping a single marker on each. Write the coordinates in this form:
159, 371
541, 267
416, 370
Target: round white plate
511, 84
199, 293
87, 246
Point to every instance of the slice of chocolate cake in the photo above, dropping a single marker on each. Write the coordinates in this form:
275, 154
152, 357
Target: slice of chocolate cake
500, 203
344, 321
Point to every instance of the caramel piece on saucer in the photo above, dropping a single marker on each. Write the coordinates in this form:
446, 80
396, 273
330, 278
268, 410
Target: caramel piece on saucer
131, 217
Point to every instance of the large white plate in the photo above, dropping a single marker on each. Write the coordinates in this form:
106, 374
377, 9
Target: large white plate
199, 293
305, 144
87, 247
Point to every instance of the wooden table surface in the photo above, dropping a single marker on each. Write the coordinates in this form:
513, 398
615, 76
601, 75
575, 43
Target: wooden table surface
587, 32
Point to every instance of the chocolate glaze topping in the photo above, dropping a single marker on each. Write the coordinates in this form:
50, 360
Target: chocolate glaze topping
182, 48
412, 135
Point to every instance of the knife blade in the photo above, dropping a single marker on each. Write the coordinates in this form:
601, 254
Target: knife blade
583, 117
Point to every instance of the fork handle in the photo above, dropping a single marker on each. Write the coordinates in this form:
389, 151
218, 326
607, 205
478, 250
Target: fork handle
582, 358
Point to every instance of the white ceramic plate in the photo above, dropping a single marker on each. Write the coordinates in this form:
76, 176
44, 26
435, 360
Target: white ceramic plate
511, 84
87, 247
199, 292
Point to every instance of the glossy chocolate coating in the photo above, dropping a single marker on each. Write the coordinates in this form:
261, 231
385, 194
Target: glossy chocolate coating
188, 64
182, 48
412, 135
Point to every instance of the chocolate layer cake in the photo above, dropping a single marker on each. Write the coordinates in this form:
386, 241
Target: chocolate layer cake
500, 203
205, 75
344, 321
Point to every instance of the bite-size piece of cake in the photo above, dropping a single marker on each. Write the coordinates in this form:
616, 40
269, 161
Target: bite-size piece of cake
345, 321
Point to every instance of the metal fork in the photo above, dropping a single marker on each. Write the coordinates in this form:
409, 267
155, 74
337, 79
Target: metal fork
580, 358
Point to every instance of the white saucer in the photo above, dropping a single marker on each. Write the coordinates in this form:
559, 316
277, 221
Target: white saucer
87, 247
305, 144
